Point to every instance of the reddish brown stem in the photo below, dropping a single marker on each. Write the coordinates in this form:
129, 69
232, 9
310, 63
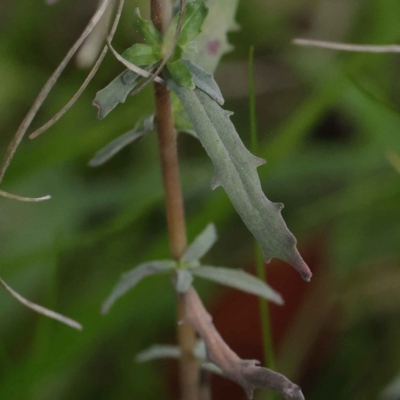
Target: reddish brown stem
189, 369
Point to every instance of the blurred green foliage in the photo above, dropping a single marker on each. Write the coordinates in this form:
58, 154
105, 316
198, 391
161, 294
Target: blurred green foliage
326, 142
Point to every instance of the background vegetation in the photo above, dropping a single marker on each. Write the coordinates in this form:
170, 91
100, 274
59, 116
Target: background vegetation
329, 129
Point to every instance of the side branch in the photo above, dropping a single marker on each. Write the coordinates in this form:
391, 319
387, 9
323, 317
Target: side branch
245, 373
169, 53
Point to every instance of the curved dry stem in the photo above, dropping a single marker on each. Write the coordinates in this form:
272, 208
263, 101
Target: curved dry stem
24, 199
85, 84
245, 373
169, 52
133, 67
42, 310
367, 48
91, 48
47, 88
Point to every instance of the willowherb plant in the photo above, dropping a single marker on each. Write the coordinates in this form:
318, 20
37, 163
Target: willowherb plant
180, 59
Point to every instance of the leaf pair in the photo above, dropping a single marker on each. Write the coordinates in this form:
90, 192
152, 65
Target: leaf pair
190, 267
156, 47
217, 357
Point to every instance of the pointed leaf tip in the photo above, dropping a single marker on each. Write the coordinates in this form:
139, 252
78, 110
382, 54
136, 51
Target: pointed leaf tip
201, 244
300, 265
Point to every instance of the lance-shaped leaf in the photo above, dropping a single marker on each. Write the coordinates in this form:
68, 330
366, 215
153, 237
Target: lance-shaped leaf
236, 171
238, 279
130, 279
183, 280
150, 33
116, 92
195, 14
109, 151
201, 244
41, 310
142, 54
245, 373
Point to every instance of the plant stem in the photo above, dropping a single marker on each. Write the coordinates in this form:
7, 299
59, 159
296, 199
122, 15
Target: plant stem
269, 358
268, 347
189, 370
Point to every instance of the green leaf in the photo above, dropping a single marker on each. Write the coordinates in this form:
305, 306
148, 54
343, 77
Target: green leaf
151, 34
205, 81
183, 281
201, 244
196, 13
190, 48
238, 279
114, 147
212, 43
181, 74
116, 92
142, 54
176, 55
236, 171
130, 279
